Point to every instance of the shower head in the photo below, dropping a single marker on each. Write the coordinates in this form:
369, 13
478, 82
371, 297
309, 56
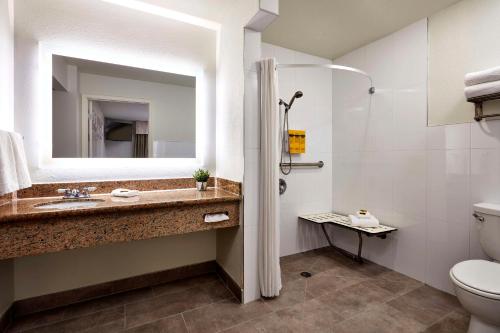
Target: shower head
298, 94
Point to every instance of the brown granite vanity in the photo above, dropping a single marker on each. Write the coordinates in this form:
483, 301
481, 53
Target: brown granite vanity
164, 207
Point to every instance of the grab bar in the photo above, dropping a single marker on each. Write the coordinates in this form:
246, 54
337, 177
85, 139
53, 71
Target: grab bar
318, 164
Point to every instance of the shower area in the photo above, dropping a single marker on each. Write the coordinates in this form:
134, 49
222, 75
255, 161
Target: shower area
368, 145
306, 88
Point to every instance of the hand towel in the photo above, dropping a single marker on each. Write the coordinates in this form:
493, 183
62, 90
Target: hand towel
488, 75
14, 174
125, 193
482, 89
211, 218
364, 223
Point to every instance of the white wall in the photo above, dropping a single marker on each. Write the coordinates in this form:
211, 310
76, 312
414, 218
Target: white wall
309, 189
6, 65
421, 179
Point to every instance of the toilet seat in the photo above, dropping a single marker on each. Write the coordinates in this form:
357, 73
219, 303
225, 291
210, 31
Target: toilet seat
480, 277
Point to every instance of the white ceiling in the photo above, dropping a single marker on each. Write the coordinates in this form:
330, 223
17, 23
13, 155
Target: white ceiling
126, 72
331, 28
124, 110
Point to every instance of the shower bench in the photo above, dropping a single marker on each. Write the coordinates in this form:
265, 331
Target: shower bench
343, 221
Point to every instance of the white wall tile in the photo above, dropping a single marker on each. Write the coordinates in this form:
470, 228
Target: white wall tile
409, 180
377, 177
447, 245
448, 190
449, 137
348, 184
411, 47
485, 134
410, 117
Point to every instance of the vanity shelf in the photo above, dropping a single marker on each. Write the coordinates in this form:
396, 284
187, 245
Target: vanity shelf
478, 102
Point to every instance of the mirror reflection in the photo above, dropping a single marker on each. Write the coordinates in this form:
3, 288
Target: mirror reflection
102, 110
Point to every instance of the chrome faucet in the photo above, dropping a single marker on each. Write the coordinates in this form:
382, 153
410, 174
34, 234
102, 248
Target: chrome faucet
83, 193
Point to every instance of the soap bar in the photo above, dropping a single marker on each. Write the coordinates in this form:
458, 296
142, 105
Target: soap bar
123, 192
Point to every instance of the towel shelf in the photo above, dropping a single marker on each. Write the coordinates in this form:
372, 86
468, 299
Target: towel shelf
318, 164
478, 102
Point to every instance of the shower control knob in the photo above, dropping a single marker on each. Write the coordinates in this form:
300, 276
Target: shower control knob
282, 186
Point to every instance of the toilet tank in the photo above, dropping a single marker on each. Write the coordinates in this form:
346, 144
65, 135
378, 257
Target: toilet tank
488, 221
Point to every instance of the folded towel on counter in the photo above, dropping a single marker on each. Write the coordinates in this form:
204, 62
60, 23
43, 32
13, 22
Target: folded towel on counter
211, 218
14, 173
124, 193
363, 222
482, 89
488, 75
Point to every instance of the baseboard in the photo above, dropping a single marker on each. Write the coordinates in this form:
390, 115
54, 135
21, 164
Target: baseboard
229, 282
6, 319
63, 298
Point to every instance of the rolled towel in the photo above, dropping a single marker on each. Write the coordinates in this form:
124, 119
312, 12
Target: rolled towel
488, 75
482, 89
364, 223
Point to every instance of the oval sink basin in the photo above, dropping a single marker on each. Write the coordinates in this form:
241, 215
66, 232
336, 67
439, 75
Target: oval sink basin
70, 204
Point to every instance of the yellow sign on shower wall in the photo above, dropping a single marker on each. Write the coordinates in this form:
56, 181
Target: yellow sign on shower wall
297, 141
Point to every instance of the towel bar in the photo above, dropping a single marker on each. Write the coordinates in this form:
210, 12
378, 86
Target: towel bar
478, 102
318, 164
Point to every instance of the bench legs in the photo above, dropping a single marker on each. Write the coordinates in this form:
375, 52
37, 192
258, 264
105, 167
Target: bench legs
358, 257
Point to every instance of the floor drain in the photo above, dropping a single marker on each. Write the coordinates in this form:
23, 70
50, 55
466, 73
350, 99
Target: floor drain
306, 274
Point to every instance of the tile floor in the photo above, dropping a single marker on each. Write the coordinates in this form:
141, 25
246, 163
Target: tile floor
341, 296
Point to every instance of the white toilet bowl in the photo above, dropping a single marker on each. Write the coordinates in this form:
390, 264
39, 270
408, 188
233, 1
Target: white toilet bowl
477, 286
477, 282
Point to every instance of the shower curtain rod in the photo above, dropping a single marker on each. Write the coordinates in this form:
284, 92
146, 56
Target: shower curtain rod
331, 66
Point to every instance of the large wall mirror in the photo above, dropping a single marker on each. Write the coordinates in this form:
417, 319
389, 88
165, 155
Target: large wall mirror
103, 110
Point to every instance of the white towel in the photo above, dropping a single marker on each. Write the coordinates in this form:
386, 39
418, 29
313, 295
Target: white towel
363, 222
482, 89
14, 174
488, 75
211, 218
124, 193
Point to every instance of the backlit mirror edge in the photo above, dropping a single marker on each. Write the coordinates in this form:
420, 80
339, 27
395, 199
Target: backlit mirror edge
44, 131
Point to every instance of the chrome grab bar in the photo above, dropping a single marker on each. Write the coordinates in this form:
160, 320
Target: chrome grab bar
318, 164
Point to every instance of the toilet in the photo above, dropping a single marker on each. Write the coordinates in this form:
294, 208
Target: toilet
477, 282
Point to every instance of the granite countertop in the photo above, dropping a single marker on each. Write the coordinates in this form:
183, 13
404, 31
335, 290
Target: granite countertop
24, 209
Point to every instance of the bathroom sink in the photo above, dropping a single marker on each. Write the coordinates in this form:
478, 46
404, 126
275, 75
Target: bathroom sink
70, 204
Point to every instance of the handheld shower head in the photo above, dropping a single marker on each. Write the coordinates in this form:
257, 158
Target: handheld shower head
298, 94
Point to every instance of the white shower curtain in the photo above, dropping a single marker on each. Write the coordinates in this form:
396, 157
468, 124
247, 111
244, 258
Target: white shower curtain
269, 232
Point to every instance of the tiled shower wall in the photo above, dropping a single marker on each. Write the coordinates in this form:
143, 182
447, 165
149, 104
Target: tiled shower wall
421, 179
309, 189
